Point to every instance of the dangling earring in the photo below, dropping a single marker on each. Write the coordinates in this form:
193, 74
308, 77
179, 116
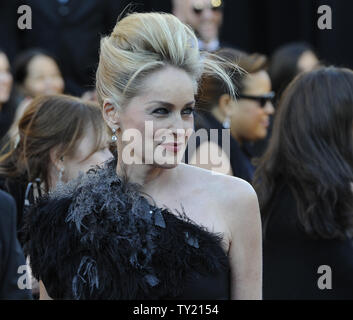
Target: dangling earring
114, 137
61, 172
226, 123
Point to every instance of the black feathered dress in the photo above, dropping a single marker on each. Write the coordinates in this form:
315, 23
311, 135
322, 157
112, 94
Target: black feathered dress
97, 237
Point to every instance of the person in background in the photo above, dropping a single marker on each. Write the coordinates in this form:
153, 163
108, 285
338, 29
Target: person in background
37, 73
288, 61
205, 17
59, 136
12, 105
6, 109
68, 29
247, 117
11, 254
304, 183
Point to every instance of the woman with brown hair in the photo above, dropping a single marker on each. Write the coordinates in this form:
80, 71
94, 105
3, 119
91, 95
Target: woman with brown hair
247, 117
304, 183
35, 73
58, 137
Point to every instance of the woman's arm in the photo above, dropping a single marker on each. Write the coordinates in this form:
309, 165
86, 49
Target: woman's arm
245, 252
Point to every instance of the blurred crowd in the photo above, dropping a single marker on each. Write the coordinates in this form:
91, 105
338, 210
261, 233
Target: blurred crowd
290, 125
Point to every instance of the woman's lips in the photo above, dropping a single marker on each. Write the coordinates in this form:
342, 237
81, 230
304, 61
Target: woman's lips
174, 147
266, 123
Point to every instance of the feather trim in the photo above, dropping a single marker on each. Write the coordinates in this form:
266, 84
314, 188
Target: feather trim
97, 237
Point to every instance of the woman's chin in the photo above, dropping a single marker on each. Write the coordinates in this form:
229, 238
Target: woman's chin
4, 97
167, 166
167, 162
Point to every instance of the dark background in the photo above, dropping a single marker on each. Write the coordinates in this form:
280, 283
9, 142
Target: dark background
263, 25
257, 25
251, 25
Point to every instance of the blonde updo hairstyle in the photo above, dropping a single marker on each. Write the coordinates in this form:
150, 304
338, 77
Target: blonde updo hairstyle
142, 43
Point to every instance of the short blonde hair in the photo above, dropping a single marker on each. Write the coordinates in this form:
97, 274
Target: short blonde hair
142, 43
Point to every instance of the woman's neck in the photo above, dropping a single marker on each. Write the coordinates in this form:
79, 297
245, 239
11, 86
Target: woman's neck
220, 117
218, 114
138, 173
152, 179
235, 135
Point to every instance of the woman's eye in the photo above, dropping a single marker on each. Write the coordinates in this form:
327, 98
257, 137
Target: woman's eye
189, 111
161, 111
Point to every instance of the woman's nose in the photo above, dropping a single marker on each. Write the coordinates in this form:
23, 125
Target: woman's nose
177, 121
207, 13
269, 108
177, 126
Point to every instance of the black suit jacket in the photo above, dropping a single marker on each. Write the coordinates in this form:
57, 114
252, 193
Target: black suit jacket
11, 254
70, 31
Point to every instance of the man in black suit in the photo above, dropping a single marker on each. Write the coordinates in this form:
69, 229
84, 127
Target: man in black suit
11, 255
205, 17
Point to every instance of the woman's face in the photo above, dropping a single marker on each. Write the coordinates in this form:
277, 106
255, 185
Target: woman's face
205, 21
76, 163
250, 121
5, 79
307, 62
160, 119
43, 77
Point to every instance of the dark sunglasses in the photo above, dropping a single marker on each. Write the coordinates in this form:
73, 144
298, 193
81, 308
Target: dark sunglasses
216, 5
263, 99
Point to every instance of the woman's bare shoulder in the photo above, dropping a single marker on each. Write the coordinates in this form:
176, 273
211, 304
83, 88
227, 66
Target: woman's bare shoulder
231, 200
230, 186
233, 194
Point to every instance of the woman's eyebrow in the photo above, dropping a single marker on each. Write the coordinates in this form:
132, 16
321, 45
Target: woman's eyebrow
163, 103
170, 105
190, 103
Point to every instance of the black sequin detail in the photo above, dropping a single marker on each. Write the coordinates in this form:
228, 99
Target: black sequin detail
192, 241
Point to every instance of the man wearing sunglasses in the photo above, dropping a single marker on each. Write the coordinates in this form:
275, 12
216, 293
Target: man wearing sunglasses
205, 17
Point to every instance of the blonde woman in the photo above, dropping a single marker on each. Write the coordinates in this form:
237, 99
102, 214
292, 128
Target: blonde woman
150, 228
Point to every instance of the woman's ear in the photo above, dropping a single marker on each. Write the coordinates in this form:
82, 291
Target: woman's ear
56, 160
225, 104
111, 114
